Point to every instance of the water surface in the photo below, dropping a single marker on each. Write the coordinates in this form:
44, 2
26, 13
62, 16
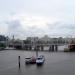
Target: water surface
57, 63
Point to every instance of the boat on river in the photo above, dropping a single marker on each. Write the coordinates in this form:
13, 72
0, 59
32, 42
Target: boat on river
40, 60
30, 60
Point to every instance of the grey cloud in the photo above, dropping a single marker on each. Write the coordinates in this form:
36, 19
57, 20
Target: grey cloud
14, 24
62, 25
15, 28
68, 26
58, 29
63, 29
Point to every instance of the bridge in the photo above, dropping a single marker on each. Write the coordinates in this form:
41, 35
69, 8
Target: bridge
40, 46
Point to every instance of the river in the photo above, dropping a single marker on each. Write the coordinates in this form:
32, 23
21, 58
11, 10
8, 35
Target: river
56, 63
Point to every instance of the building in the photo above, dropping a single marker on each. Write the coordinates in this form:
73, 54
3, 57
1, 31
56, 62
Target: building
3, 40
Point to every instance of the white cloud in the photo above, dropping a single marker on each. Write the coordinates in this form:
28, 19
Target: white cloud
3, 28
34, 20
22, 25
37, 17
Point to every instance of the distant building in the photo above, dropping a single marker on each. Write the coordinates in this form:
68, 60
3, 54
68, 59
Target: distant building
32, 39
3, 40
45, 38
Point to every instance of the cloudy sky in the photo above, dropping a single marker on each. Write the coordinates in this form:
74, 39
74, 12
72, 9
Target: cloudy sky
24, 18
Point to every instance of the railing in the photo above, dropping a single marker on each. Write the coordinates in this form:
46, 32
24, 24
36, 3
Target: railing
50, 44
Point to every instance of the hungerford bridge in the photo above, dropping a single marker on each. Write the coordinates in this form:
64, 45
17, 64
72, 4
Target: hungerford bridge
40, 46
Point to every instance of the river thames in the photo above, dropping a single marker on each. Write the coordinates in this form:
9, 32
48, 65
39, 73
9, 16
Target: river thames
56, 63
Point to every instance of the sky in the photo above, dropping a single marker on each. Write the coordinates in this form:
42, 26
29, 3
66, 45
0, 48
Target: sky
29, 18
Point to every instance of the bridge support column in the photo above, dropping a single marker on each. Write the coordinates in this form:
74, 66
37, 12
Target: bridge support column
56, 47
35, 48
25, 47
42, 48
52, 48
38, 48
30, 47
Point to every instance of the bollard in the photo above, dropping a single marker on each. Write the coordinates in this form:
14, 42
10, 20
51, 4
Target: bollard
19, 61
